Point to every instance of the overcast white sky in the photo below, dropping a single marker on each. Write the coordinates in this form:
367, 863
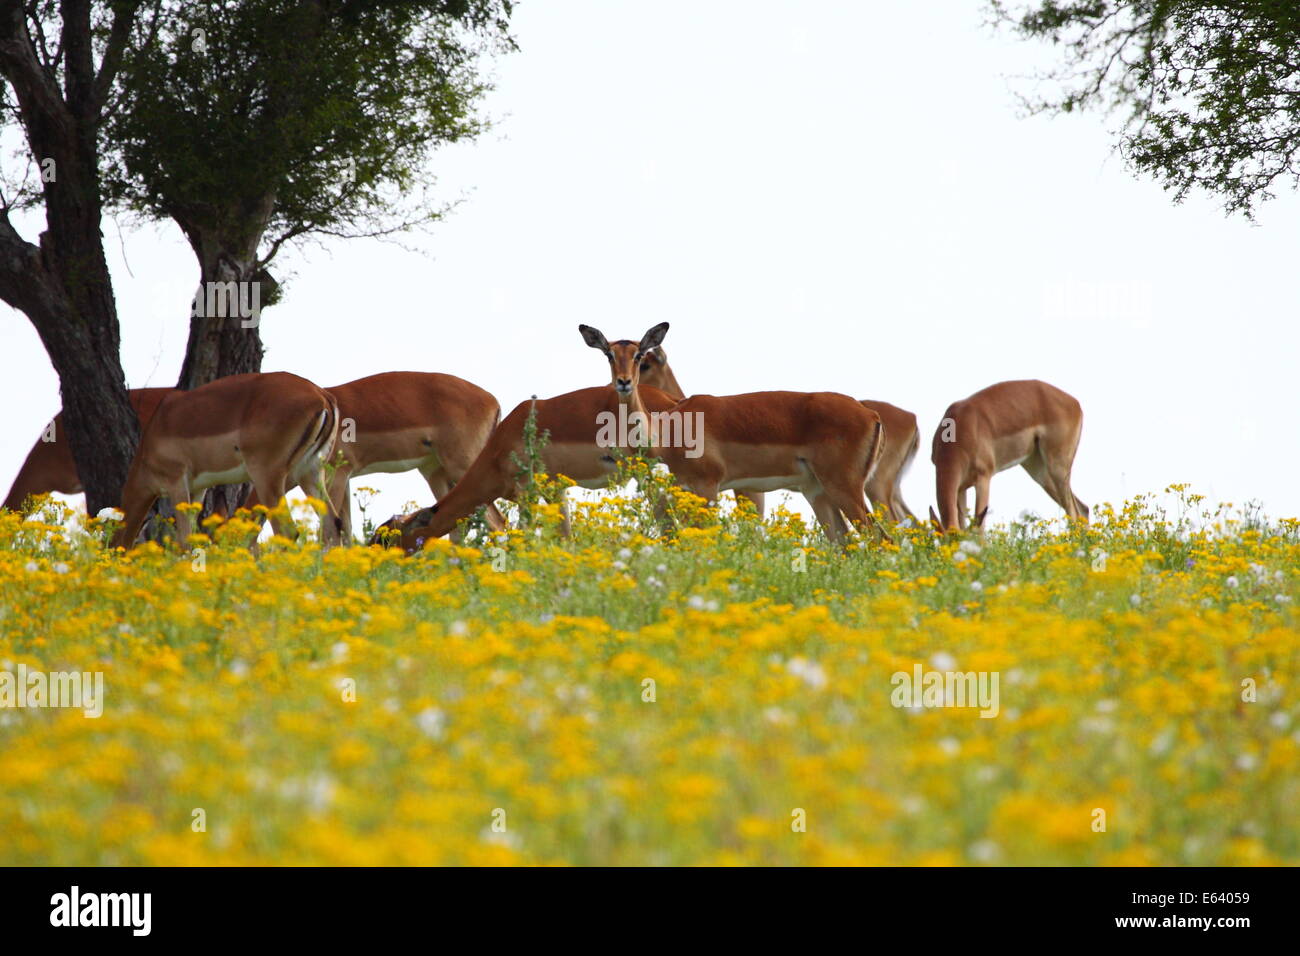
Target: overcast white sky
828, 195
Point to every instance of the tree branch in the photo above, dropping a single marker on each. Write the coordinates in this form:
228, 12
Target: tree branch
36, 89
118, 37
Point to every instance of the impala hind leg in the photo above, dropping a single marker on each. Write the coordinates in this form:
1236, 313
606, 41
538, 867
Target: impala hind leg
898, 509
982, 482
889, 498
340, 500
828, 516
341, 496
755, 497
844, 483
897, 505
1056, 448
336, 498
880, 495
271, 488
1060, 462
178, 493
845, 498
566, 514
1056, 485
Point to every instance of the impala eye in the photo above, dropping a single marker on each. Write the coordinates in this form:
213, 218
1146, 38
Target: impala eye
645, 367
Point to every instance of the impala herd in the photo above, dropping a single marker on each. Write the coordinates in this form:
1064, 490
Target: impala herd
278, 430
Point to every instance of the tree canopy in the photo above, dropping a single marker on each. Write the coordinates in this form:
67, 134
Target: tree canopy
250, 123
1211, 90
296, 117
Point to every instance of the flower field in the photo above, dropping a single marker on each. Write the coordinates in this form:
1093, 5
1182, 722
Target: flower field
722, 695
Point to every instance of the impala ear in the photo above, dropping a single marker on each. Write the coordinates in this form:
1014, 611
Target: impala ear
652, 338
594, 337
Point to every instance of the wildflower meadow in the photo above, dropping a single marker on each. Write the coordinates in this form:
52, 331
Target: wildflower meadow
715, 689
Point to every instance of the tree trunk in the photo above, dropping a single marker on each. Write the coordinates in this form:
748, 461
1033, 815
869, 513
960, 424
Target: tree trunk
101, 425
99, 422
230, 344
63, 286
224, 325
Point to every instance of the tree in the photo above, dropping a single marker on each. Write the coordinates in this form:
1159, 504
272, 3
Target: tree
256, 123
1211, 89
252, 124
59, 95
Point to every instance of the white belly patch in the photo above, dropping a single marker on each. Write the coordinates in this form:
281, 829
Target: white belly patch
209, 479
390, 467
781, 483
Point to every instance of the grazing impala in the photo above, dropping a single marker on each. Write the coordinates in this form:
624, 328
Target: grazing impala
267, 428
49, 466
571, 449
901, 440
403, 421
821, 443
1026, 423
657, 373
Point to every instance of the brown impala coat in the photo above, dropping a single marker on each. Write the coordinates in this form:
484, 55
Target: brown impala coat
258, 427
822, 444
50, 467
572, 419
1028, 423
902, 438
402, 421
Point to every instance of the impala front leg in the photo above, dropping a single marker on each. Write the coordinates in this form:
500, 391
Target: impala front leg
137, 500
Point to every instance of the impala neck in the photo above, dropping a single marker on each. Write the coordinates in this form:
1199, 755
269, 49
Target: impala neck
948, 491
670, 386
632, 401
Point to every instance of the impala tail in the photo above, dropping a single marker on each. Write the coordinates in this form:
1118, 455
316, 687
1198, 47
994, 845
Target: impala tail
314, 450
319, 438
874, 452
495, 519
877, 447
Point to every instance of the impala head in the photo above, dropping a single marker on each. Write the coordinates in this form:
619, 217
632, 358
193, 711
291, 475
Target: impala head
656, 372
626, 358
402, 530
